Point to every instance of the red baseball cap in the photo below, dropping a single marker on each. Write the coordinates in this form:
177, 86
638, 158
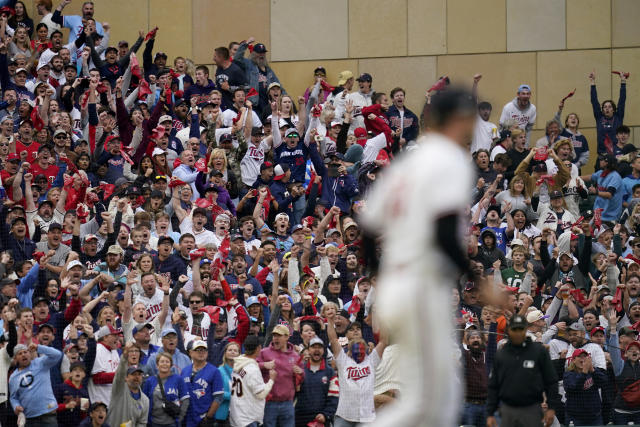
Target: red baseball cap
12, 156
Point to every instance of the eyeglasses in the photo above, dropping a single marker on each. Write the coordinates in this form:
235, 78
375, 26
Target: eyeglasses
4, 145
195, 302
60, 136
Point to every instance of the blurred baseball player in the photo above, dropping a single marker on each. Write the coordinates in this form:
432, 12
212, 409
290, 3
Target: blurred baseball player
418, 207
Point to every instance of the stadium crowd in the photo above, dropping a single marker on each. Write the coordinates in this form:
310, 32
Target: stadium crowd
186, 248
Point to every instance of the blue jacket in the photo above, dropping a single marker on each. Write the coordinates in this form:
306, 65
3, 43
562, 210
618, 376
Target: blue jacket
607, 127
174, 388
338, 191
223, 410
31, 387
411, 123
316, 395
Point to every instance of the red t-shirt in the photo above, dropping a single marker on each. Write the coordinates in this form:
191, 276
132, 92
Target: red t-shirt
31, 149
8, 188
51, 172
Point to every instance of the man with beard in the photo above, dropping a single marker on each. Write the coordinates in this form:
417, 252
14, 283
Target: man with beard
318, 396
239, 276
54, 242
56, 72
521, 110
477, 361
30, 384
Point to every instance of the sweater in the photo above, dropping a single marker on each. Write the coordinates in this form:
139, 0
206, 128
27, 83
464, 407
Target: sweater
284, 387
606, 127
583, 393
31, 387
124, 407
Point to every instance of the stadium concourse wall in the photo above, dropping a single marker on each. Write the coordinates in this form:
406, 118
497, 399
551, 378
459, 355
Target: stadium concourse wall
550, 44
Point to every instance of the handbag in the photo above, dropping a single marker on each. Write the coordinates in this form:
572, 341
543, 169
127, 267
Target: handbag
169, 407
631, 394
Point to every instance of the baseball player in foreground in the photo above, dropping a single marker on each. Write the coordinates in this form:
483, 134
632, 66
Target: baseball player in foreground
420, 204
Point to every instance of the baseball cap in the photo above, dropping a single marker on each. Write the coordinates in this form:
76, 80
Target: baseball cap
167, 331
22, 70
331, 232
165, 118
360, 133
251, 301
38, 300
134, 369
75, 365
320, 69
291, 132
555, 194
236, 237
74, 263
266, 165
157, 151
106, 330
160, 55
226, 137
260, 48
47, 325
195, 344
156, 194
296, 228
628, 330
113, 249
535, 315
365, 77
137, 328
279, 171
165, 239
272, 85
18, 219
8, 281
524, 87
344, 76
55, 225
577, 326
316, 340
338, 155
348, 223
90, 237
518, 322
336, 123
96, 405
596, 329
256, 131
281, 330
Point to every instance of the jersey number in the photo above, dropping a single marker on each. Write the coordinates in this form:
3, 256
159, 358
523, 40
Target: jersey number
236, 387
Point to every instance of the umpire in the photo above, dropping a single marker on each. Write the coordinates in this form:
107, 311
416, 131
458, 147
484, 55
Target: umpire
522, 372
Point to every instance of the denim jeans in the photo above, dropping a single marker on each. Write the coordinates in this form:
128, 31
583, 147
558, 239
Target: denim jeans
474, 414
341, 422
279, 414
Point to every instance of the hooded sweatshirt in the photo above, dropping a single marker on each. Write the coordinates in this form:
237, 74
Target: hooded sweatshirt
248, 407
284, 388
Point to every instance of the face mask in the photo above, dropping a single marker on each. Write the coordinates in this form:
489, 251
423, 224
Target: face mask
358, 352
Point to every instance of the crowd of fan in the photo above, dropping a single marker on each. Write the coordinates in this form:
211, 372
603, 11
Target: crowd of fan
184, 250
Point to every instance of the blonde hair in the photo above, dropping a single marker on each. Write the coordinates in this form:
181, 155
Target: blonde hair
329, 304
225, 360
166, 356
218, 152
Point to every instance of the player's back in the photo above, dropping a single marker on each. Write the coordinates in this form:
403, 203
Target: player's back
426, 183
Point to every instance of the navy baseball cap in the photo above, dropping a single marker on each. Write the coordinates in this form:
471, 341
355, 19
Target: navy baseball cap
260, 48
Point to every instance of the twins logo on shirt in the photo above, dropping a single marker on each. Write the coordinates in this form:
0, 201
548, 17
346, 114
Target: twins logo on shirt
355, 373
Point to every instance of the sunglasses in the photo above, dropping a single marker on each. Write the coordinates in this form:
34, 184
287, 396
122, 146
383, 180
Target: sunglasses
195, 302
161, 177
60, 136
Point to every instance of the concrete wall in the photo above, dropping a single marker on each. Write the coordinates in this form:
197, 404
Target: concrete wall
550, 44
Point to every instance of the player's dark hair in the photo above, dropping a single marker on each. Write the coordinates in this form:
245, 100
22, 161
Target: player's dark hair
484, 105
448, 104
251, 344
